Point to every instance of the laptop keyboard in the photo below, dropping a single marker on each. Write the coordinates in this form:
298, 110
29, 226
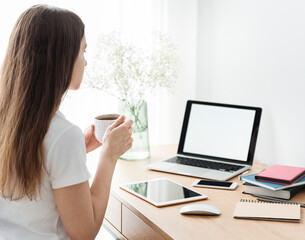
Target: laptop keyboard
205, 164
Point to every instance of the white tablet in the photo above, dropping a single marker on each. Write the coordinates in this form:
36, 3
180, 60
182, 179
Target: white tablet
162, 192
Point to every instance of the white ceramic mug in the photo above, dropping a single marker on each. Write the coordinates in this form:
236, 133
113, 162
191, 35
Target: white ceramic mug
102, 122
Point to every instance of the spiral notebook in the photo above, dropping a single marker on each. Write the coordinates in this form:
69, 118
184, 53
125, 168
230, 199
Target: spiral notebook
251, 209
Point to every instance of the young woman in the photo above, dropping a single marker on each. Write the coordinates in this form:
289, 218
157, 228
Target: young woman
44, 186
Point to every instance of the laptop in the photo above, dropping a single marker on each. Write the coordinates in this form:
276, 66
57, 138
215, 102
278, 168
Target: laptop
217, 141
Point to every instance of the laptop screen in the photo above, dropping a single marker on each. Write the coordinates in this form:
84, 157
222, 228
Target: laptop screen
220, 131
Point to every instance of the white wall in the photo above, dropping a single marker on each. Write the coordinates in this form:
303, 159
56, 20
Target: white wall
253, 53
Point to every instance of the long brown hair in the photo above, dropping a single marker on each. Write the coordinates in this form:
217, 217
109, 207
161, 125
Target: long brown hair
35, 75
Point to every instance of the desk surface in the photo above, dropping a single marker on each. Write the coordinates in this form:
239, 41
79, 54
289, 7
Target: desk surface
170, 224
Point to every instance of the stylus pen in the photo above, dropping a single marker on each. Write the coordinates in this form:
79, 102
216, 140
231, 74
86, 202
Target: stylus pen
267, 199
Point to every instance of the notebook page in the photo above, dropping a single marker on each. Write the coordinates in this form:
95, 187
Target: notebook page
250, 209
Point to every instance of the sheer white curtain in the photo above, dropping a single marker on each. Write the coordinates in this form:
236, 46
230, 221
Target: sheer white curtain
134, 18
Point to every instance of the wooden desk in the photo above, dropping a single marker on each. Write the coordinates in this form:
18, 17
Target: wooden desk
137, 219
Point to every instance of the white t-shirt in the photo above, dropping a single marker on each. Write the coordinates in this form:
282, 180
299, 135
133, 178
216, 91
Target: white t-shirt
65, 156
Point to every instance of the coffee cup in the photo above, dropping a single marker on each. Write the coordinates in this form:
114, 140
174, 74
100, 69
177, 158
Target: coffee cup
102, 122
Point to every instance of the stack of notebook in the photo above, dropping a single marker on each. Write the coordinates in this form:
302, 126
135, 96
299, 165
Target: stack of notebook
277, 181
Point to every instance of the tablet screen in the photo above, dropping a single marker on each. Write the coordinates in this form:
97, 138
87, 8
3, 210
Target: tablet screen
163, 191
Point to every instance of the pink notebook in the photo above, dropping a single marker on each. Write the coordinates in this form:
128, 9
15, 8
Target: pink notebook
281, 174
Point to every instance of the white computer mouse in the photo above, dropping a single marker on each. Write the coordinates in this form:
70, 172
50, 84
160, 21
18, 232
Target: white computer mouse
199, 209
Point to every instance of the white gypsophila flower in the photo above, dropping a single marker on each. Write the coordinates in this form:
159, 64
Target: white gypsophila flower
129, 71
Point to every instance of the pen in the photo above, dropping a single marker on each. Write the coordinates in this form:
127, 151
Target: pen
267, 199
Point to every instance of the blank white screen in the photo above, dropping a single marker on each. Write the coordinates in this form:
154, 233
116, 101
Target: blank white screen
219, 131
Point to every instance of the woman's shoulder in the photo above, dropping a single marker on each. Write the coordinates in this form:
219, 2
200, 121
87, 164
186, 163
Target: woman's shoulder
60, 128
64, 146
59, 121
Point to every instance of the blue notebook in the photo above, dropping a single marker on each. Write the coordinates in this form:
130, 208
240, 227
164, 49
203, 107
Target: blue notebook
272, 186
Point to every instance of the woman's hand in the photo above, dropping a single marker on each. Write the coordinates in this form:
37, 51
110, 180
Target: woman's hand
117, 139
91, 142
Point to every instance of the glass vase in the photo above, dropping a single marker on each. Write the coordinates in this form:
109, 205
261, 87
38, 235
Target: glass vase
138, 113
